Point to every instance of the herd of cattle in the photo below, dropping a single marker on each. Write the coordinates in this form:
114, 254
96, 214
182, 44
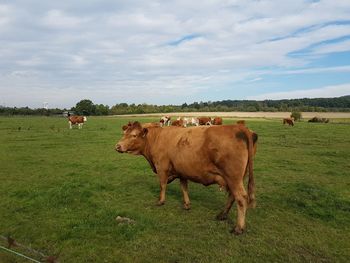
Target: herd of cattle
206, 152
187, 121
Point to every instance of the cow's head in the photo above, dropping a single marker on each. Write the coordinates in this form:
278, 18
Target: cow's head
84, 118
133, 140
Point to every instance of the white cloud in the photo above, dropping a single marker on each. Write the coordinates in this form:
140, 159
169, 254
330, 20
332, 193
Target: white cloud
5, 16
323, 92
333, 47
58, 19
132, 47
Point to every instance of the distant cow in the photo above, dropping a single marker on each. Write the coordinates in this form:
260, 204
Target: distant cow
190, 121
76, 120
165, 121
223, 155
289, 121
185, 121
216, 121
317, 119
178, 123
204, 121
241, 122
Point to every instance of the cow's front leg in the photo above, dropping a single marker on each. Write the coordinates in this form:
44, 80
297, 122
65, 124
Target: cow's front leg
163, 180
184, 188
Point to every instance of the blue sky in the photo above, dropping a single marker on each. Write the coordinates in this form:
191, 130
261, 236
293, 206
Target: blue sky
171, 52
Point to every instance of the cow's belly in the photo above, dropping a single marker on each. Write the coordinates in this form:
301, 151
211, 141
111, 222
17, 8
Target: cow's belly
203, 174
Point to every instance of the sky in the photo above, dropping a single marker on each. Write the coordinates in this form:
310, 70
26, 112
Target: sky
171, 52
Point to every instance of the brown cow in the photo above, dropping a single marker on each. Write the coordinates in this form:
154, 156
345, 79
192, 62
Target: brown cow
206, 155
204, 121
290, 121
178, 123
216, 121
79, 120
241, 122
316, 119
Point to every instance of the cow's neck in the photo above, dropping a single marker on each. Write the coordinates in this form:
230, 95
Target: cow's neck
147, 150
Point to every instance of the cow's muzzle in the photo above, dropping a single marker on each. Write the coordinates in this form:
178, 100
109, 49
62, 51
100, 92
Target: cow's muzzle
118, 148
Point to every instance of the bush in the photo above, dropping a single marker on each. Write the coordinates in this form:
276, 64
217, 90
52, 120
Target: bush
296, 115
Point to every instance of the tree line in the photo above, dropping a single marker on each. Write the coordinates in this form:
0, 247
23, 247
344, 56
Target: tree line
87, 107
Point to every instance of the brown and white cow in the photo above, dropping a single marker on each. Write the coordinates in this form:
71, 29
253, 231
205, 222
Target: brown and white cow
165, 121
289, 121
206, 155
194, 121
179, 123
204, 121
76, 120
216, 121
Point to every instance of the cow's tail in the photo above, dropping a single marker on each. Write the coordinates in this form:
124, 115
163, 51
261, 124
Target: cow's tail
252, 138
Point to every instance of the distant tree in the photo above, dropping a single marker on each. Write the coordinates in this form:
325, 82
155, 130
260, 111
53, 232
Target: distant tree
85, 107
102, 109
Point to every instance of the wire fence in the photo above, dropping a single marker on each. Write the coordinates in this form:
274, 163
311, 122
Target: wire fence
11, 244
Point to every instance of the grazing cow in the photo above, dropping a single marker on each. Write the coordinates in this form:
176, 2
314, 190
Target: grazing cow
206, 155
316, 119
216, 121
165, 121
78, 120
289, 121
204, 121
241, 122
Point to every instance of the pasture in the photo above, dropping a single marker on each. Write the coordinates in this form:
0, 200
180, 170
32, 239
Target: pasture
62, 189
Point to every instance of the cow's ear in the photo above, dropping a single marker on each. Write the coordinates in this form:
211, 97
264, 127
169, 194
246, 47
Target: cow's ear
144, 132
124, 127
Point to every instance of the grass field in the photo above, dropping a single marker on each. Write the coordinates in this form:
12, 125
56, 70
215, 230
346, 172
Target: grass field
62, 189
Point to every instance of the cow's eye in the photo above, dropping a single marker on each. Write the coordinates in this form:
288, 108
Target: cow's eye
134, 136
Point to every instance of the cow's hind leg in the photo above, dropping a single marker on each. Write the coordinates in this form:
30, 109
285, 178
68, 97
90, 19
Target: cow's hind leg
234, 179
223, 214
184, 188
240, 196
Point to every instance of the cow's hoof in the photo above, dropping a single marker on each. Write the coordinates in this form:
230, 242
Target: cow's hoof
160, 203
221, 216
187, 206
237, 231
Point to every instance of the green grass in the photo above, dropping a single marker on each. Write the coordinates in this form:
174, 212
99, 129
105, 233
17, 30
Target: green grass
62, 189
